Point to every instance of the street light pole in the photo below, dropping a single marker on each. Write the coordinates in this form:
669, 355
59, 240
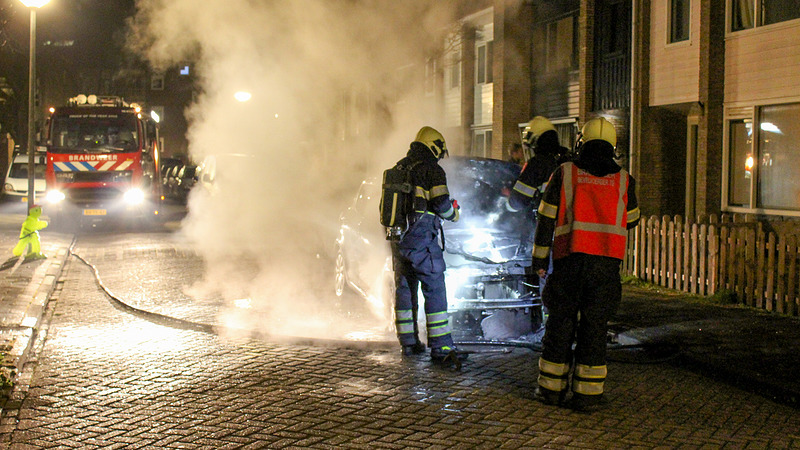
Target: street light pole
32, 5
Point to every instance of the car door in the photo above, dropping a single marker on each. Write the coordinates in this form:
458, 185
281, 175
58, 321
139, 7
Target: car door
365, 246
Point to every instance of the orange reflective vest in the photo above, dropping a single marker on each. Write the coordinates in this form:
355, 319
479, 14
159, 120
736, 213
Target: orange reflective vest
592, 214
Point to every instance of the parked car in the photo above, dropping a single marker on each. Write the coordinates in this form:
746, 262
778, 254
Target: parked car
491, 296
186, 179
15, 188
170, 182
168, 163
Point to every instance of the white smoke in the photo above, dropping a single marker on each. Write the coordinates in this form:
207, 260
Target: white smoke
266, 228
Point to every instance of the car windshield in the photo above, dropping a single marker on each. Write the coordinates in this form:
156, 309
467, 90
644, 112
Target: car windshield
487, 232
20, 170
94, 133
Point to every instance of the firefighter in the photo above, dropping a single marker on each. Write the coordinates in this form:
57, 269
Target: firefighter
541, 140
29, 235
418, 258
584, 216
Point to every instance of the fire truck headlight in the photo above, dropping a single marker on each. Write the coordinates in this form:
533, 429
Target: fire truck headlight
134, 196
53, 197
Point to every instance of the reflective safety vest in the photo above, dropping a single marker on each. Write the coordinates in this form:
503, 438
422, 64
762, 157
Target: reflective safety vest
592, 214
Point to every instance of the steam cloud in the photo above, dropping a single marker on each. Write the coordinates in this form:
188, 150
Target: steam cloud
283, 175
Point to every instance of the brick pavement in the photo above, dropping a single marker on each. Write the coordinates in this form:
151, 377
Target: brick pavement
103, 378
26, 287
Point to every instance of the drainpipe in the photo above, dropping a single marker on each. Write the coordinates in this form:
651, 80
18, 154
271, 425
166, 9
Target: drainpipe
635, 116
635, 109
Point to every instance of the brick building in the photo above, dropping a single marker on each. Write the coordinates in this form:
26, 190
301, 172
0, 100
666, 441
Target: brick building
705, 93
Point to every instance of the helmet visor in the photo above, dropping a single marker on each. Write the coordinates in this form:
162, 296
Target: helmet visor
440, 148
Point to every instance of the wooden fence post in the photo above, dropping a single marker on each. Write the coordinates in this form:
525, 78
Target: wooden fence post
739, 254
652, 225
723, 257
662, 264
679, 267
671, 254
766, 244
641, 249
780, 289
713, 258
702, 253
693, 260
792, 296
751, 246
761, 267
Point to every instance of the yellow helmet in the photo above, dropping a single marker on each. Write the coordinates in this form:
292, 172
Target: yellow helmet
433, 140
536, 127
599, 129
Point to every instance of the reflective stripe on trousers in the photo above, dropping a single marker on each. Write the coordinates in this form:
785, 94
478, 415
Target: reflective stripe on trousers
553, 376
589, 380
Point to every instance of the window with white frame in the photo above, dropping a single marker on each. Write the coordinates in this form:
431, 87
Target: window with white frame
430, 76
745, 14
454, 69
483, 61
764, 157
740, 168
679, 20
481, 143
562, 48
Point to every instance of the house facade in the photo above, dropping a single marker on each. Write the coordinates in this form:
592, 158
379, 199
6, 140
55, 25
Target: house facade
705, 94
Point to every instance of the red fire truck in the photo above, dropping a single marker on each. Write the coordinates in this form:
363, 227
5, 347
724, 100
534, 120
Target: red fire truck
102, 160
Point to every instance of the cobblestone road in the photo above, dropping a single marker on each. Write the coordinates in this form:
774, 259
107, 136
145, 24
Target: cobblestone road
105, 378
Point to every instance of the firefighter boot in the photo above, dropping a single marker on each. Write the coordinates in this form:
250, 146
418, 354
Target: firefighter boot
549, 397
448, 355
414, 349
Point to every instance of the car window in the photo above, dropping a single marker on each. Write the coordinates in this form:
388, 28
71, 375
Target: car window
367, 198
20, 170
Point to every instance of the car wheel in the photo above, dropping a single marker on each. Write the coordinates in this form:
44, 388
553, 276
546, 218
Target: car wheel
340, 280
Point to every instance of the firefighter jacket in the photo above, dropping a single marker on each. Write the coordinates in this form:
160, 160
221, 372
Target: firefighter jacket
532, 182
585, 210
431, 198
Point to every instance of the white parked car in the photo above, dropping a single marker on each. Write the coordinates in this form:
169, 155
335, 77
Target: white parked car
15, 188
491, 295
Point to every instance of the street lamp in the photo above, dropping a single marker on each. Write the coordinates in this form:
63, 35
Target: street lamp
32, 5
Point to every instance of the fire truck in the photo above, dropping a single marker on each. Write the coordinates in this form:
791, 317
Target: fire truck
102, 161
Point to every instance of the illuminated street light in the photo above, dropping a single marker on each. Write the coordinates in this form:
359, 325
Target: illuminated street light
32, 5
242, 96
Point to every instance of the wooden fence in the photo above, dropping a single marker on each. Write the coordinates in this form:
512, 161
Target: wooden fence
727, 255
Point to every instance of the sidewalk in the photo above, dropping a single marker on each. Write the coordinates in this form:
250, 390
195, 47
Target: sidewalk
25, 288
754, 350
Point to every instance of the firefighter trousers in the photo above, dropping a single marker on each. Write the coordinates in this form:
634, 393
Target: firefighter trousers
582, 294
411, 269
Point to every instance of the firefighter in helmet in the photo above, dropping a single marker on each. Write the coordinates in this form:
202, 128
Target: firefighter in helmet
584, 215
539, 139
418, 257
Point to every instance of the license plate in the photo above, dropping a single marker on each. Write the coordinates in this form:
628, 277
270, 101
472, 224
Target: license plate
94, 212
24, 200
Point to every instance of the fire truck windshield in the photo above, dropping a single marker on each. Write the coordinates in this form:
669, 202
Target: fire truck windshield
94, 133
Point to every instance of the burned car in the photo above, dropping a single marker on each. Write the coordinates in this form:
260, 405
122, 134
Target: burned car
491, 295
